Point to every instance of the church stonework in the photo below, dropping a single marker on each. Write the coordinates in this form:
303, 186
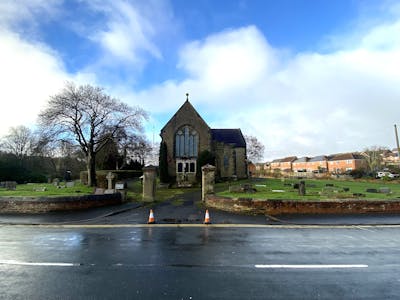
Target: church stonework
186, 135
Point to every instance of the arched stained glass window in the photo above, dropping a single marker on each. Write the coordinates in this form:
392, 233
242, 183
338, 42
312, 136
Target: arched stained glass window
186, 142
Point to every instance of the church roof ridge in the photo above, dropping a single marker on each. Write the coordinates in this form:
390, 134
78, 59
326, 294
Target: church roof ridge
186, 103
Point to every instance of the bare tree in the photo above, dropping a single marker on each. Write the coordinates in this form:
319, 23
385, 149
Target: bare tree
133, 148
90, 118
19, 141
374, 157
255, 149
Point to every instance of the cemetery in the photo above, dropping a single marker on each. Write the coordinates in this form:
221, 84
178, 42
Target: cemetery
279, 196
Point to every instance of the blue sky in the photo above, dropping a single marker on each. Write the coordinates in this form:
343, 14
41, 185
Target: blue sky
307, 77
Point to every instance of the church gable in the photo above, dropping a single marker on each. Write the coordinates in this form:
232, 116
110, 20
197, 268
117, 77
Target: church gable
186, 135
186, 115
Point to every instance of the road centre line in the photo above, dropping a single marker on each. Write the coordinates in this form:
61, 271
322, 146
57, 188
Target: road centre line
46, 264
299, 266
360, 227
310, 266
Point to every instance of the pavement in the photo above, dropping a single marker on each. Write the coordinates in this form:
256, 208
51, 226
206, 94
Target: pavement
187, 208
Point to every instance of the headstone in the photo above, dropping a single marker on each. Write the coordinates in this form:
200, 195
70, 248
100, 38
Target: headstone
110, 176
70, 184
67, 176
302, 188
384, 190
56, 182
371, 190
41, 189
235, 188
10, 185
99, 191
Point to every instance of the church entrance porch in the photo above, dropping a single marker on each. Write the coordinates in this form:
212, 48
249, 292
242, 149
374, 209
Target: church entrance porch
185, 172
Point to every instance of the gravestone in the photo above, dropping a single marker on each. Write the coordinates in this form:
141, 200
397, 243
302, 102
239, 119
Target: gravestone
110, 176
70, 184
302, 188
384, 190
10, 185
99, 191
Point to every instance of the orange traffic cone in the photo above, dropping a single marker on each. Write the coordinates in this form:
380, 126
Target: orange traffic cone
151, 217
207, 218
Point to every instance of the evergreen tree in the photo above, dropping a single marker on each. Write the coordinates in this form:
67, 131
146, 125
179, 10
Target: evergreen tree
163, 163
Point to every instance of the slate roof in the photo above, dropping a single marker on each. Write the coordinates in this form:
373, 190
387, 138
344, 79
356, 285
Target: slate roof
229, 136
286, 159
346, 156
319, 158
301, 159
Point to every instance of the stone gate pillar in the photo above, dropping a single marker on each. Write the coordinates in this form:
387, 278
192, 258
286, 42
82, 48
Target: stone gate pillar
207, 181
149, 183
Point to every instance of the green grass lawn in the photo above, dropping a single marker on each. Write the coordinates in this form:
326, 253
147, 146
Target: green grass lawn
35, 190
135, 190
275, 189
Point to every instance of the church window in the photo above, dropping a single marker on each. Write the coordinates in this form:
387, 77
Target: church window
226, 161
180, 167
186, 142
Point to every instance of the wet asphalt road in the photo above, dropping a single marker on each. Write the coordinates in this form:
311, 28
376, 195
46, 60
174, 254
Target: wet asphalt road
199, 263
108, 253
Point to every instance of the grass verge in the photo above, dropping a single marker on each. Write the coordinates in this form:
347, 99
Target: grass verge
316, 189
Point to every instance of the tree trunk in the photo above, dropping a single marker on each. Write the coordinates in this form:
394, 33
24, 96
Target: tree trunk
91, 168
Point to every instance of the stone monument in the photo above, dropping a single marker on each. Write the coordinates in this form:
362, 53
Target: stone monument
110, 177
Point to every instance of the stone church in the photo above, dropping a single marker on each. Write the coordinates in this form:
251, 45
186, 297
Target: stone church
186, 135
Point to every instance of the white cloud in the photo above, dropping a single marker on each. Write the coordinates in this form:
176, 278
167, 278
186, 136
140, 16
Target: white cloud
29, 73
233, 59
129, 31
30, 70
303, 104
296, 104
12, 13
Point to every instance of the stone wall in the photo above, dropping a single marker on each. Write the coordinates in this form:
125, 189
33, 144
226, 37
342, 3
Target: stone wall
276, 207
48, 204
235, 156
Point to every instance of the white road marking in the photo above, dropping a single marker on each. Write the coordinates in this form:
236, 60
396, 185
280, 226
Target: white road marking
309, 266
46, 264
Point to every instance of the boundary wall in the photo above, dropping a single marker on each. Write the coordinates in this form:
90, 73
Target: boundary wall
63, 203
276, 207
